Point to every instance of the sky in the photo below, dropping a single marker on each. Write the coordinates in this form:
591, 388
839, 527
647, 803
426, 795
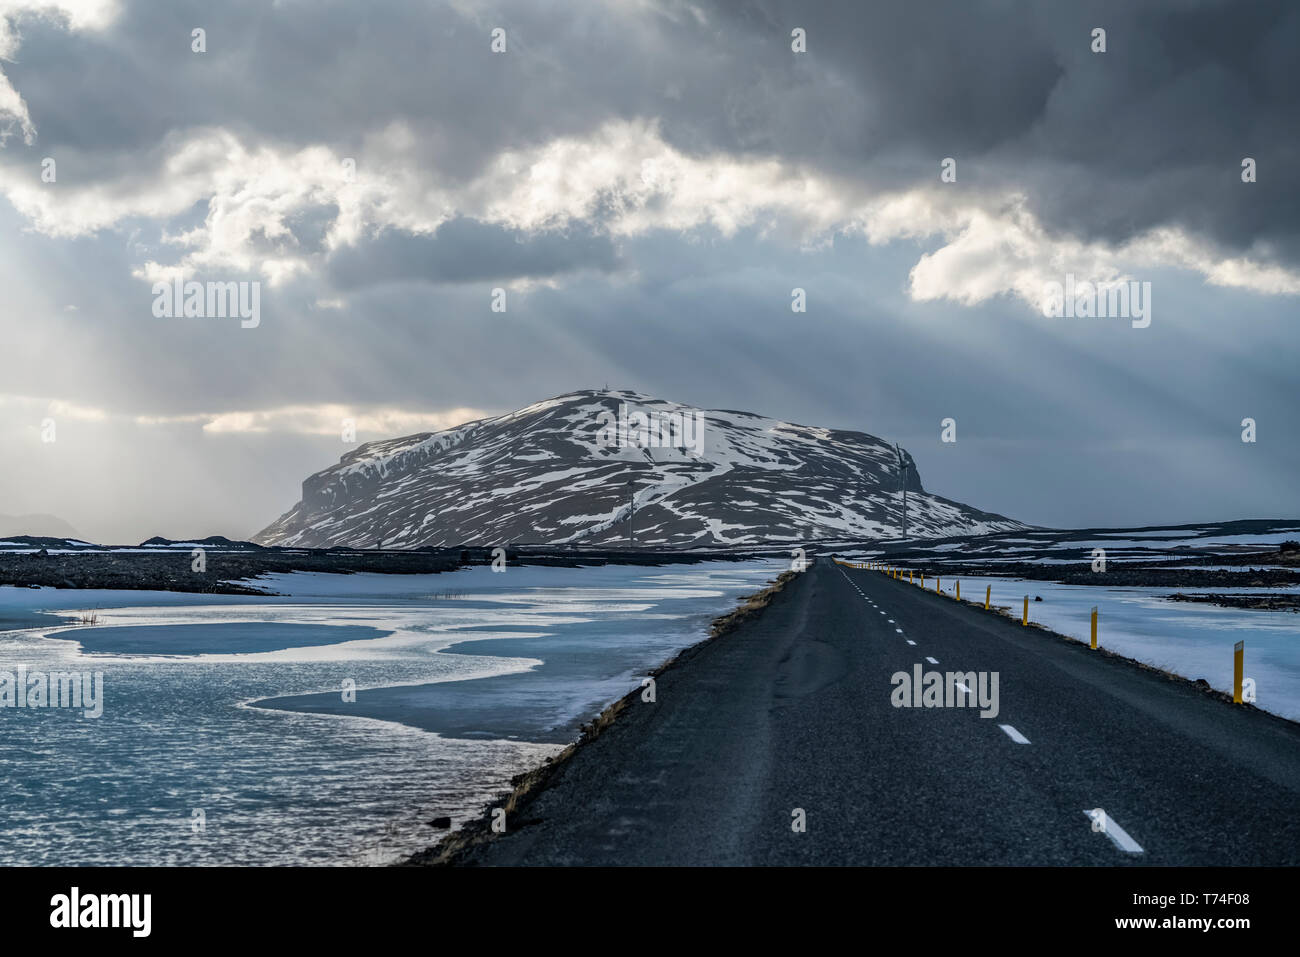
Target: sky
647, 183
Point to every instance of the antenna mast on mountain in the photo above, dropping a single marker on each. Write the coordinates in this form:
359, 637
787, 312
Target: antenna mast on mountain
902, 481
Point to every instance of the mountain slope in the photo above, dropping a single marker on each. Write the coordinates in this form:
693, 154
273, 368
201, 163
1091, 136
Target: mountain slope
568, 470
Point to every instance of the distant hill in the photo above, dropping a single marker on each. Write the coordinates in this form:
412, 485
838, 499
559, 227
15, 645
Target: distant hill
212, 541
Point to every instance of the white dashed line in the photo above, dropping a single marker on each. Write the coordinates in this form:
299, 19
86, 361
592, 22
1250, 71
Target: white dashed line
1012, 733
899, 630
931, 660
909, 641
1116, 833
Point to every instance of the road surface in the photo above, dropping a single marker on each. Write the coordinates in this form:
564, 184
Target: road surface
793, 713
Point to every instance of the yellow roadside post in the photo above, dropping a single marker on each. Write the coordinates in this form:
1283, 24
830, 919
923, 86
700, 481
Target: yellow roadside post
1238, 670
909, 576
937, 590
988, 593
922, 579
1025, 619
959, 589
1094, 627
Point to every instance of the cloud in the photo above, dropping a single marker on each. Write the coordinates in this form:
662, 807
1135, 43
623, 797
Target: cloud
331, 419
322, 419
543, 164
553, 208
73, 14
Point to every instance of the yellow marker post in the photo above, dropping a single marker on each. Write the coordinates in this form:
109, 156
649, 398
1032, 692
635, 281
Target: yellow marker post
1094, 627
959, 590
923, 579
1238, 670
1025, 620
988, 593
937, 589
909, 576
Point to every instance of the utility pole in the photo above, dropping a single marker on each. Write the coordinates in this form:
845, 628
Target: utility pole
902, 481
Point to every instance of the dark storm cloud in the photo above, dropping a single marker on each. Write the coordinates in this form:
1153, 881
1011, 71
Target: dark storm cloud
465, 250
1150, 133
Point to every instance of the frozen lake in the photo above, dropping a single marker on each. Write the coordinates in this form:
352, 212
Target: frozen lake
464, 679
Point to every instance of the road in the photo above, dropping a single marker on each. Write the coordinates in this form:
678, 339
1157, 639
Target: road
792, 712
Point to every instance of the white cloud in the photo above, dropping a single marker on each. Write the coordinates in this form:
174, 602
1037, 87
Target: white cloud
320, 419
329, 420
623, 179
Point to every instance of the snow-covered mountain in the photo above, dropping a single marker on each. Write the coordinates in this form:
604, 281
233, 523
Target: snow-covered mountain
613, 468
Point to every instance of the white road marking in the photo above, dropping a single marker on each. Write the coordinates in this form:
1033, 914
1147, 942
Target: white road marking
931, 660
1116, 833
899, 630
892, 622
1012, 733
909, 641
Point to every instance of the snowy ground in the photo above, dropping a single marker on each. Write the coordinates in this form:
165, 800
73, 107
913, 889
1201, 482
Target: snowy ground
1193, 640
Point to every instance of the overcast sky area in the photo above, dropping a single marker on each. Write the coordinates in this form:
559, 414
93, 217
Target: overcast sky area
648, 180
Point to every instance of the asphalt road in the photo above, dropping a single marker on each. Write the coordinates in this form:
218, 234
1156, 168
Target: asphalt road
793, 711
